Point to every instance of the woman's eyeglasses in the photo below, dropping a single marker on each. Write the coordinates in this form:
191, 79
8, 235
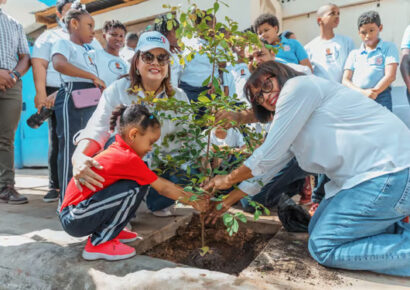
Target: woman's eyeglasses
267, 87
148, 58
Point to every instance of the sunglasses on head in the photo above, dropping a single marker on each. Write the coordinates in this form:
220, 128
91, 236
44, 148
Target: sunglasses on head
148, 58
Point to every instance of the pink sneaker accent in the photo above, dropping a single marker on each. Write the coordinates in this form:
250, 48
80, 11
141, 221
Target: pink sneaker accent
112, 251
127, 236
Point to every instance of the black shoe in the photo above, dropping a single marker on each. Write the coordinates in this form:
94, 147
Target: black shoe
10, 195
52, 195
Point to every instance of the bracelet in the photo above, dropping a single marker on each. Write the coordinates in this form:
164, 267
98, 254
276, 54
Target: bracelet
17, 74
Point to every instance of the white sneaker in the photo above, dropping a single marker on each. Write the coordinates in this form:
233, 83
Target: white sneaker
166, 212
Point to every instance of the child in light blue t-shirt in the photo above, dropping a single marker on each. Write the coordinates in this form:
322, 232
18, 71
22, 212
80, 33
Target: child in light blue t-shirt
290, 50
372, 68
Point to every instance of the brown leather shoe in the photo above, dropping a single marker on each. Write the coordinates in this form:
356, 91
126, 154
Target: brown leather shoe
10, 195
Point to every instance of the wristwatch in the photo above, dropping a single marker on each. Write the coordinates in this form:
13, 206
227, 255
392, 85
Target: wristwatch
17, 74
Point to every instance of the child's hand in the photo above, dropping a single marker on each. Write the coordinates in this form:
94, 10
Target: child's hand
99, 83
372, 94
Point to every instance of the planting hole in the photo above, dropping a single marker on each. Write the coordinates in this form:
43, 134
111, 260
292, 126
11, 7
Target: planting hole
225, 254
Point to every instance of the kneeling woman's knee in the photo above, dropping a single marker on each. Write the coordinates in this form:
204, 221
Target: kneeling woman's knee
320, 250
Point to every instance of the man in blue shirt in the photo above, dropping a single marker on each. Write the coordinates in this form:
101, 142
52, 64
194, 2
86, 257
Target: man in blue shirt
372, 68
290, 50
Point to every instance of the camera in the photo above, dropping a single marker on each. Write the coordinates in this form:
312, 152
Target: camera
38, 118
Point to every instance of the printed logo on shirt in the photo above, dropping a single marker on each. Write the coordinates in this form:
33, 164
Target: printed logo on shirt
116, 67
89, 60
286, 47
376, 60
332, 54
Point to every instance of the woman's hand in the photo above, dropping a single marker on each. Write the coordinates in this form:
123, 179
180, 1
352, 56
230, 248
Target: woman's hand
218, 182
201, 205
214, 214
82, 173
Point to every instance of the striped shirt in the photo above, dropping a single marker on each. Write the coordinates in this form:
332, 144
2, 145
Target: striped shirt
13, 41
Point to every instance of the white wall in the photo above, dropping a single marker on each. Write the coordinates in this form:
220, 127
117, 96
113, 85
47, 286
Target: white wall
238, 10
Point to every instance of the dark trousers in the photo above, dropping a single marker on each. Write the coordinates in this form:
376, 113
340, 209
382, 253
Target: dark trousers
385, 99
10, 111
52, 147
70, 120
289, 179
105, 214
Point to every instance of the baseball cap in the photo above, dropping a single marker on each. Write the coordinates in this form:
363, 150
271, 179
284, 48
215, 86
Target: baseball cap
152, 39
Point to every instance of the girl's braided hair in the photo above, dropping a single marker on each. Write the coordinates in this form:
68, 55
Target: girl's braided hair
76, 11
134, 114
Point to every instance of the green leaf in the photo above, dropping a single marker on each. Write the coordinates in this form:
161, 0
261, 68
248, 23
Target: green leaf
169, 15
206, 81
203, 251
242, 217
235, 226
169, 25
227, 219
216, 7
267, 211
219, 206
257, 214
203, 99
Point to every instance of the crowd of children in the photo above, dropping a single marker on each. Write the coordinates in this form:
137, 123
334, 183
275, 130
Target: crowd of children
107, 188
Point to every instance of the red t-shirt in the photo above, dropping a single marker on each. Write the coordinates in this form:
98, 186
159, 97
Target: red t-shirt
119, 161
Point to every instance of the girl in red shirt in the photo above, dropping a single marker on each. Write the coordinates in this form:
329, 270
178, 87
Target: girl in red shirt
103, 214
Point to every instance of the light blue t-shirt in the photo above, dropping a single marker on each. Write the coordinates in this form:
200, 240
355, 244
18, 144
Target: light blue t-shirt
405, 43
240, 73
199, 68
290, 51
368, 66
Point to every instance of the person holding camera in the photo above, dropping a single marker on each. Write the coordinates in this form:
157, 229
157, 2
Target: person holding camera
47, 82
14, 62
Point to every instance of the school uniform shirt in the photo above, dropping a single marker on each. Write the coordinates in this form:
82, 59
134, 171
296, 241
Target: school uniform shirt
328, 57
126, 53
196, 71
233, 139
176, 70
299, 68
42, 49
240, 73
405, 42
228, 81
77, 55
98, 127
368, 66
110, 67
290, 51
330, 129
119, 161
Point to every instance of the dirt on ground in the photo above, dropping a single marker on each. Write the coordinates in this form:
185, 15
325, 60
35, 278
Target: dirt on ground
226, 254
287, 257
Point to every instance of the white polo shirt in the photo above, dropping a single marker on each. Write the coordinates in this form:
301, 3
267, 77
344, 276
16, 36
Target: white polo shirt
42, 49
333, 130
328, 57
110, 67
240, 73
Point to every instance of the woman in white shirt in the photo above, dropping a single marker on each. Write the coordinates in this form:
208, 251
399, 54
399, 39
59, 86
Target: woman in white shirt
149, 72
360, 145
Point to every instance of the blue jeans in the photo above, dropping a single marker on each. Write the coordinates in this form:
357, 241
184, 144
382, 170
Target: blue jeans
361, 229
283, 181
384, 99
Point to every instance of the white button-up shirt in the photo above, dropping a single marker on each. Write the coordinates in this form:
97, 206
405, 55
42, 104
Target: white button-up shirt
333, 130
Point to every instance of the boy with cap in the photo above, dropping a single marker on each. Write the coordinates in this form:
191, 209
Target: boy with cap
372, 68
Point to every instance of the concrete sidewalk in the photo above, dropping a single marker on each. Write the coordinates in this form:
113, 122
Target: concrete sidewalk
35, 253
